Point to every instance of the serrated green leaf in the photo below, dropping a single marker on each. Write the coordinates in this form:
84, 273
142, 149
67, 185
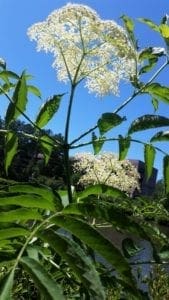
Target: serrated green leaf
46, 285
34, 90
48, 110
150, 23
108, 121
77, 259
46, 144
6, 284
45, 192
97, 242
26, 200
158, 91
148, 122
19, 99
166, 173
97, 143
99, 189
13, 232
161, 136
11, 145
124, 144
20, 214
149, 156
108, 212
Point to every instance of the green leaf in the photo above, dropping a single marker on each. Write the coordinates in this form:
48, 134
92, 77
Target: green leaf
155, 104
34, 90
149, 156
48, 110
51, 197
129, 248
20, 214
108, 121
151, 54
97, 242
158, 91
161, 136
13, 232
164, 30
148, 122
100, 189
151, 24
46, 144
77, 259
11, 145
106, 211
46, 285
97, 143
26, 200
129, 25
19, 101
166, 173
10, 74
124, 144
6, 284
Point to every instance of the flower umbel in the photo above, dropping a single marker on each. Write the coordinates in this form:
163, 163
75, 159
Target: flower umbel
106, 169
86, 47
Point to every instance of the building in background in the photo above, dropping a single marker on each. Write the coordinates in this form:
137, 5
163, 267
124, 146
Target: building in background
147, 186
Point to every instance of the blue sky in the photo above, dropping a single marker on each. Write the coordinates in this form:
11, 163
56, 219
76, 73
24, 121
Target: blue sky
20, 54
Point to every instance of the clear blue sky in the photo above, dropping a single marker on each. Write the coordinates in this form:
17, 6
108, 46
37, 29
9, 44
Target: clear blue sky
20, 53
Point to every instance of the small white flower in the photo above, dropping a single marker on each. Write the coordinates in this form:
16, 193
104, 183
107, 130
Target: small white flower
106, 169
86, 48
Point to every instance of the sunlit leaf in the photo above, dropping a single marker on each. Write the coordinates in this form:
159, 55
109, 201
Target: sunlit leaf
166, 173
97, 143
99, 189
108, 121
161, 136
51, 197
20, 214
34, 90
158, 91
13, 232
48, 110
124, 144
77, 259
26, 200
129, 25
148, 122
11, 145
44, 282
150, 23
149, 156
155, 104
19, 101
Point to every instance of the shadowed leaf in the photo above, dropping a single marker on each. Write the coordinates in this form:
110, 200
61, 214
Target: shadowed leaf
46, 285
148, 122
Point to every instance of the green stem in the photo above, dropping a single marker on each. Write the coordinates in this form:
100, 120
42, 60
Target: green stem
66, 144
135, 93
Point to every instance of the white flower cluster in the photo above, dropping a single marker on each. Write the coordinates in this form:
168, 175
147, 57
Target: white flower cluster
106, 169
86, 47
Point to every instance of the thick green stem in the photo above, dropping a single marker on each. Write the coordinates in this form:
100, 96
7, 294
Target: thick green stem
66, 145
